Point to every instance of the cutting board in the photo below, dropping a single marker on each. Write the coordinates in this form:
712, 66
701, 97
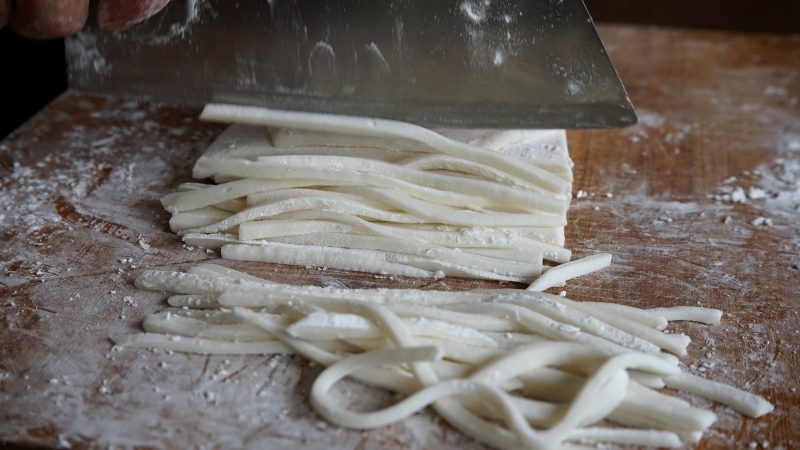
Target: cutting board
79, 218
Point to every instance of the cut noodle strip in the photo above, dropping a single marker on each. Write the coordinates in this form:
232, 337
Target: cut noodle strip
204, 195
381, 128
333, 222
693, 313
498, 370
501, 195
381, 186
200, 345
339, 258
512, 369
360, 260
532, 267
571, 270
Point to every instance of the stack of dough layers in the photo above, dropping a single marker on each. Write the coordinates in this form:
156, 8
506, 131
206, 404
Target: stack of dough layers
511, 368
378, 196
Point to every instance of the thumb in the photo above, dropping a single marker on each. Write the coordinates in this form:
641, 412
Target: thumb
43, 19
116, 15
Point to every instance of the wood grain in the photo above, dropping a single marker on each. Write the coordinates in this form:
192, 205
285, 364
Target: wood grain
80, 182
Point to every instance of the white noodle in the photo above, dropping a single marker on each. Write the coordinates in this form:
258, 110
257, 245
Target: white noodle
532, 267
334, 177
200, 345
333, 222
571, 270
513, 369
211, 194
381, 128
500, 194
693, 313
338, 258
477, 380
361, 260
743, 402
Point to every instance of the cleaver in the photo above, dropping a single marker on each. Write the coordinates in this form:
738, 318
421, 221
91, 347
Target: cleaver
435, 63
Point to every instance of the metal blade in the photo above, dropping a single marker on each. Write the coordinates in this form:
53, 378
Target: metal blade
470, 63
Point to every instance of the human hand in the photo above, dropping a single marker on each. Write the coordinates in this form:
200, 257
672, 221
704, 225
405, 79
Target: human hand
42, 19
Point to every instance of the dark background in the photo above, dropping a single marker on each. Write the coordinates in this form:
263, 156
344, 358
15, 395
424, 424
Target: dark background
33, 72
765, 16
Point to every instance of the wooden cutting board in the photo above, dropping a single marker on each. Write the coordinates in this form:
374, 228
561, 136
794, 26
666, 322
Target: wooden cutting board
80, 182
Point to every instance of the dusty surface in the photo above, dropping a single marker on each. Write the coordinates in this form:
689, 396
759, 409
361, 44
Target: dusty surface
79, 217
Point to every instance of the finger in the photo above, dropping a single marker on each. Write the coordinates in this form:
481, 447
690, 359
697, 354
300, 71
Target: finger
5, 11
115, 15
42, 19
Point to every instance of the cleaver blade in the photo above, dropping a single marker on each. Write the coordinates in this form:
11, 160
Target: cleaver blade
468, 63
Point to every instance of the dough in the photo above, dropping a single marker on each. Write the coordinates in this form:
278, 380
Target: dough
380, 196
